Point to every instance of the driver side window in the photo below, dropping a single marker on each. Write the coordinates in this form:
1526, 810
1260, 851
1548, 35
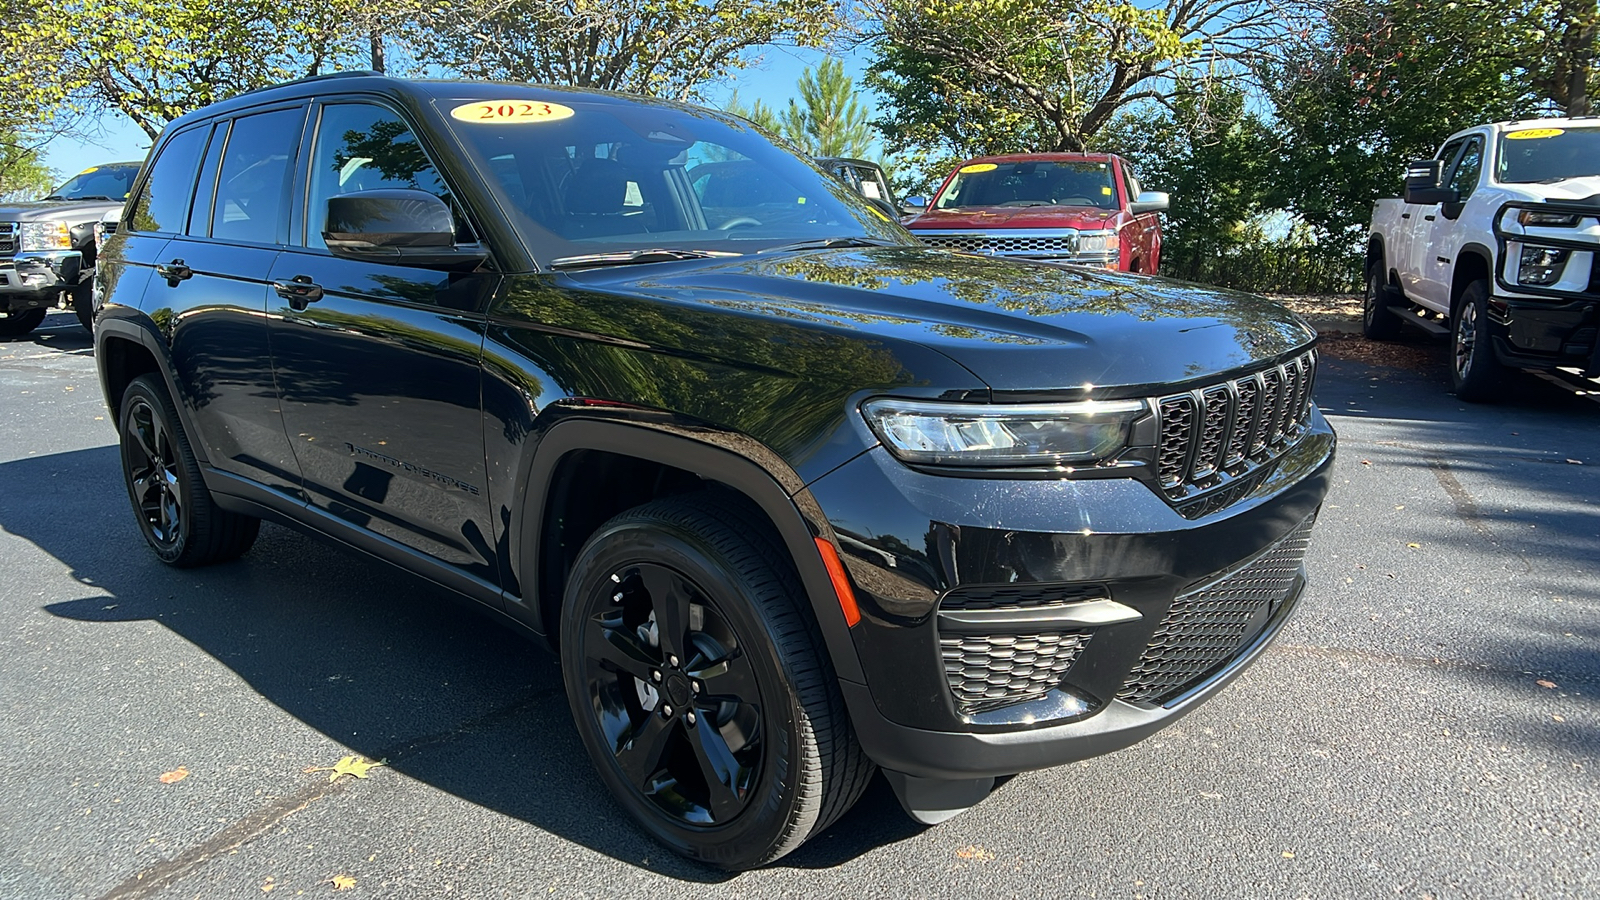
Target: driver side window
1465, 178
362, 147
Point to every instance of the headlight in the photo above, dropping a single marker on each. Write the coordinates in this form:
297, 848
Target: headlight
1542, 265
1104, 242
45, 236
1558, 220
979, 434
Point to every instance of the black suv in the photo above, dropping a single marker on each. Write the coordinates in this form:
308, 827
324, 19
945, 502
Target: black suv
792, 496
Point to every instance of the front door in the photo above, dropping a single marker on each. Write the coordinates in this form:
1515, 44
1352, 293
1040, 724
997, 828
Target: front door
378, 364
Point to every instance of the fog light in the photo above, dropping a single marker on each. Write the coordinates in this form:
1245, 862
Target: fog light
1542, 265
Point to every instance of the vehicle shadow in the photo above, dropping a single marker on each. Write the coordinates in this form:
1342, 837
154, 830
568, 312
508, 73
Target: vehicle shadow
375, 659
59, 331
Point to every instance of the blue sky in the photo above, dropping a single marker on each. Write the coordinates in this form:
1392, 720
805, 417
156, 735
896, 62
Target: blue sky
771, 80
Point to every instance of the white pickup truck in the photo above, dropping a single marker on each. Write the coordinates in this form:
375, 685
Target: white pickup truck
1494, 245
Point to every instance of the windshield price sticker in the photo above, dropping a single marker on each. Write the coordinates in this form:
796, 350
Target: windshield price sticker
978, 167
510, 112
1534, 134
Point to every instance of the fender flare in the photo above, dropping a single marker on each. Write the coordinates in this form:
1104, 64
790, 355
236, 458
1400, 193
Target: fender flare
795, 515
135, 327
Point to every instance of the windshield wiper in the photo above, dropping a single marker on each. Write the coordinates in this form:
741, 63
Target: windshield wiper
628, 257
830, 243
84, 197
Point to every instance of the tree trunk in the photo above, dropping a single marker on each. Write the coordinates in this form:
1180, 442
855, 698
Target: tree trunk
377, 53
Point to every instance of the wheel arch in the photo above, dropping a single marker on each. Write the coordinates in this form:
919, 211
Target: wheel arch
1473, 263
126, 348
1377, 253
586, 470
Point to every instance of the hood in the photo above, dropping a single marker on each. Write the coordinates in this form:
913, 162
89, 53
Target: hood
1018, 326
73, 211
1087, 218
1585, 188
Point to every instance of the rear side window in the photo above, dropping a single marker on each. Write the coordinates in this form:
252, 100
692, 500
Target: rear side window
253, 185
164, 202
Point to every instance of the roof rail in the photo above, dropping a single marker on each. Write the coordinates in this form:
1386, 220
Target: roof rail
326, 76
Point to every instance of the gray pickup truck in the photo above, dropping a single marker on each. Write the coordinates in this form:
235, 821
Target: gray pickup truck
47, 248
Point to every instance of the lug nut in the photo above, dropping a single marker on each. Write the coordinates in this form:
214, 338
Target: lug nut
666, 711
691, 718
617, 597
672, 660
655, 674
617, 578
694, 686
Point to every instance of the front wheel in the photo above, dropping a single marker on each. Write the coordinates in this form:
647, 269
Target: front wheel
82, 298
17, 324
1475, 373
176, 513
700, 685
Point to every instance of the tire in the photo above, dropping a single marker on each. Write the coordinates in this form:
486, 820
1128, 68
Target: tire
175, 510
83, 304
1476, 375
700, 686
18, 324
1378, 320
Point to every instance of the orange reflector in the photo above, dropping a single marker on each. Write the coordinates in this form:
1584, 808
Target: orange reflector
841, 582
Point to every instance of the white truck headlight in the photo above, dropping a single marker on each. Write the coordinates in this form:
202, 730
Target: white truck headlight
1548, 219
980, 434
1542, 265
44, 236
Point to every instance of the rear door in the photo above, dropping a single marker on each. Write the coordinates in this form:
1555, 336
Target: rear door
1442, 228
379, 372
1146, 233
1416, 254
209, 294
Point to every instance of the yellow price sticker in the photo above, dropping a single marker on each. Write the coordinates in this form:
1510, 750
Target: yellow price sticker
1534, 134
1106, 191
90, 169
510, 112
975, 168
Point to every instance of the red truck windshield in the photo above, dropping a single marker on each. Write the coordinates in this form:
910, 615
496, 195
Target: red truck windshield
1532, 155
1030, 183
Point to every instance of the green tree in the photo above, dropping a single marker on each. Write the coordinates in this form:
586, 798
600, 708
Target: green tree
23, 174
984, 76
154, 60
660, 48
830, 119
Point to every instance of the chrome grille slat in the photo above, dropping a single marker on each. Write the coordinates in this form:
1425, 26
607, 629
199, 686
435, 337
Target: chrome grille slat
1207, 628
8, 239
1211, 437
993, 670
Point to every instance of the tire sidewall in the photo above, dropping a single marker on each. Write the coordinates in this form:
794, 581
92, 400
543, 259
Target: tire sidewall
1484, 372
140, 390
738, 844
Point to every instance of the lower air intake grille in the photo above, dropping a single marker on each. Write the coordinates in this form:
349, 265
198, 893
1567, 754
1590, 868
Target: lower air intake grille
992, 670
1206, 629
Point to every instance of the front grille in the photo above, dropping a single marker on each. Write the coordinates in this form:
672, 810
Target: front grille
1064, 244
993, 670
8, 239
1019, 596
1206, 629
1220, 432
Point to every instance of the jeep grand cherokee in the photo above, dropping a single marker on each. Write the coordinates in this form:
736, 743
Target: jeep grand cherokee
793, 497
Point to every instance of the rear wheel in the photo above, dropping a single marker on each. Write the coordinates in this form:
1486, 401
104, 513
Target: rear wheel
19, 323
1475, 373
700, 685
176, 513
1378, 320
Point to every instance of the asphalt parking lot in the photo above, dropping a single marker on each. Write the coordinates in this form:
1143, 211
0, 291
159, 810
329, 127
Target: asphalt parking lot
1427, 726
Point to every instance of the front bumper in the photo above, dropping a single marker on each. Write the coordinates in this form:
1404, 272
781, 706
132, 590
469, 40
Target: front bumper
34, 277
1120, 562
1554, 325
1061, 245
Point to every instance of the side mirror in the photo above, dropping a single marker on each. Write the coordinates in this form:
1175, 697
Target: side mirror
396, 226
1422, 183
910, 206
1149, 202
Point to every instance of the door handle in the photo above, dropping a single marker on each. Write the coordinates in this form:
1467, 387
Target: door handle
174, 272
300, 291
1405, 215
1428, 218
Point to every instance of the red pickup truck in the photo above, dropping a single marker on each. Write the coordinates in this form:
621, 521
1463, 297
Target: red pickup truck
1083, 208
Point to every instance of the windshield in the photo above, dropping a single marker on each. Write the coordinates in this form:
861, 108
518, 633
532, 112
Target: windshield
581, 177
1548, 154
99, 182
1029, 183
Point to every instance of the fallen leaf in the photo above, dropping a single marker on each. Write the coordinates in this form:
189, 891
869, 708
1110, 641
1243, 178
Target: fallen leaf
352, 765
1288, 855
1545, 683
1366, 462
268, 887
1558, 718
342, 882
975, 852
1414, 546
178, 774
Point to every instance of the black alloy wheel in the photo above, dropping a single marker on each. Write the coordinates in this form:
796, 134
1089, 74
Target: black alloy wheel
700, 684
175, 511
1476, 375
19, 323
